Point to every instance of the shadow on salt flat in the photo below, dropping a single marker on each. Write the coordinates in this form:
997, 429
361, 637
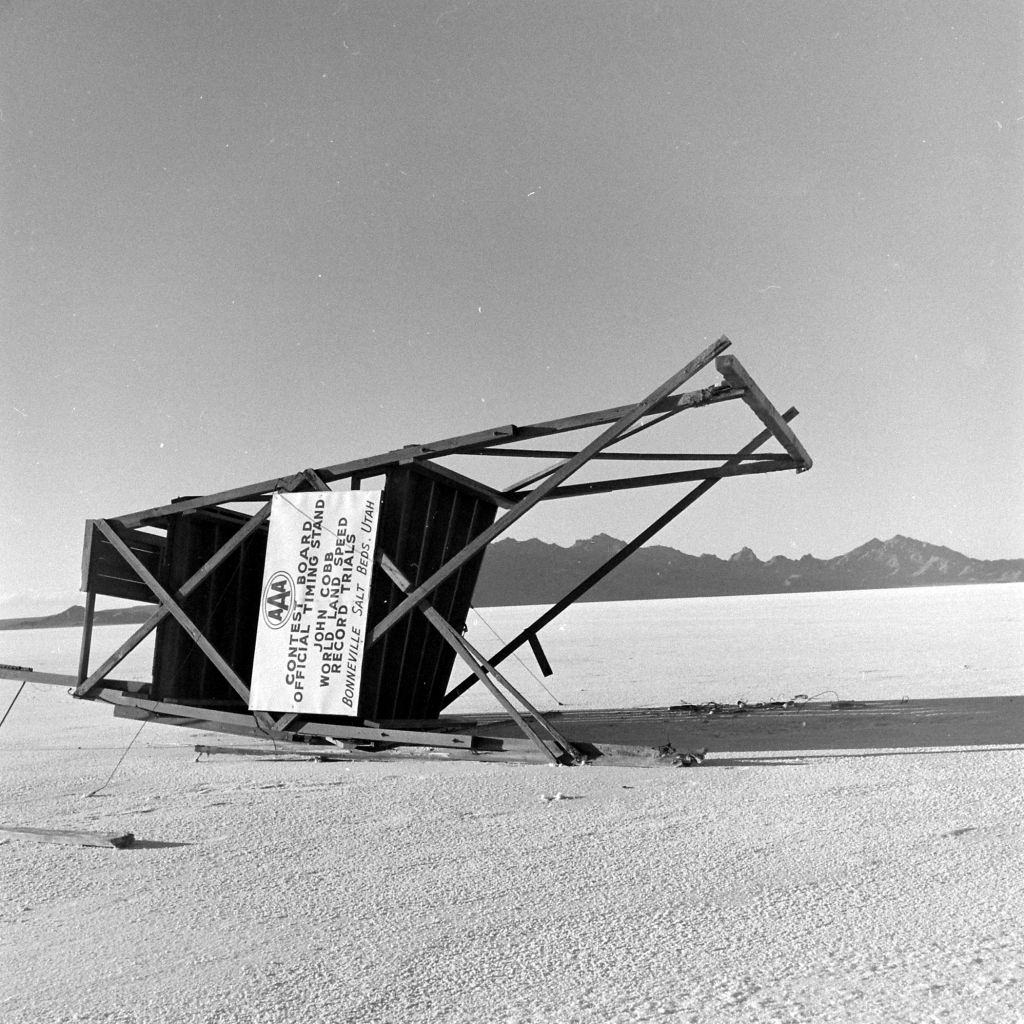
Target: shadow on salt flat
777, 761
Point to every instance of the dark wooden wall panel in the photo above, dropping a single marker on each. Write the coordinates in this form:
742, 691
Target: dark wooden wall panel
225, 607
425, 520
105, 572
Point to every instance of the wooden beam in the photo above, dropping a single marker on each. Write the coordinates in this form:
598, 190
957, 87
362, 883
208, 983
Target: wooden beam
470, 444
466, 443
669, 404
67, 837
482, 539
666, 408
732, 370
553, 453
661, 479
306, 751
336, 731
617, 559
86, 648
466, 653
62, 679
133, 519
314, 480
538, 652
653, 421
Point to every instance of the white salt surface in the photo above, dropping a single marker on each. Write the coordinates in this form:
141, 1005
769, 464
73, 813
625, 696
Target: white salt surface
863, 645
867, 887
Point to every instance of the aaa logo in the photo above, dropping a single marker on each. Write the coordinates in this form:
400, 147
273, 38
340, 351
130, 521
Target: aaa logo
278, 599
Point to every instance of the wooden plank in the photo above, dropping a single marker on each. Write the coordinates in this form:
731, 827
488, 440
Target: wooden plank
485, 441
68, 837
678, 403
86, 648
250, 527
245, 726
5, 667
668, 408
506, 751
538, 652
309, 751
653, 421
463, 444
259, 490
732, 370
553, 453
65, 679
446, 446
669, 404
32, 676
661, 479
617, 559
337, 731
502, 751
482, 539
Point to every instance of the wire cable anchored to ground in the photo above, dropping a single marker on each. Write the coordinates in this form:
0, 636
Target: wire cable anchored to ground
124, 754
530, 672
13, 702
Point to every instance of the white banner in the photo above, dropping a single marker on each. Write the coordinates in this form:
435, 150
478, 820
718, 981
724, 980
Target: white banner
314, 602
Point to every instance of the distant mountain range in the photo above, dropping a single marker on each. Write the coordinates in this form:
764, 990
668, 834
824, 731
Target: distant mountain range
533, 572
75, 616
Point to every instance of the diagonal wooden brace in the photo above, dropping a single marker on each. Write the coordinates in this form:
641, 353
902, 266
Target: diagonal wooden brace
570, 466
181, 617
732, 370
484, 672
87, 684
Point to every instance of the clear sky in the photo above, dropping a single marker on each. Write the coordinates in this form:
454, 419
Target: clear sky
240, 238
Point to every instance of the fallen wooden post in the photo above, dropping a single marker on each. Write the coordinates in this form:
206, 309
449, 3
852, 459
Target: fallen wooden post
68, 837
293, 751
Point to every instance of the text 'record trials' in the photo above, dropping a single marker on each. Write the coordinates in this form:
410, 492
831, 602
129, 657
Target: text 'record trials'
314, 603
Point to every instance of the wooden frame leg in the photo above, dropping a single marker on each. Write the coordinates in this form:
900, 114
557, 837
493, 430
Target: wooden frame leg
86, 648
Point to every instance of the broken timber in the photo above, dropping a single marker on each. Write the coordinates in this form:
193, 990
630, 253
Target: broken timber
68, 837
200, 561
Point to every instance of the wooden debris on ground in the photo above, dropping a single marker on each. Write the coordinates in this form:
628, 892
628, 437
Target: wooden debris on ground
68, 837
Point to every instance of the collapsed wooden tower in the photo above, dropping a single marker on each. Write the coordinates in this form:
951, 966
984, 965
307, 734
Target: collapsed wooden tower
204, 565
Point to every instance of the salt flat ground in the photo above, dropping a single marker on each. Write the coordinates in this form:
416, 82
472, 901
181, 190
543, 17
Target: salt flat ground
875, 886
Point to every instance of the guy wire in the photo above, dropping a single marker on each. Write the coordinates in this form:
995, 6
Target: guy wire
530, 672
124, 754
11, 705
